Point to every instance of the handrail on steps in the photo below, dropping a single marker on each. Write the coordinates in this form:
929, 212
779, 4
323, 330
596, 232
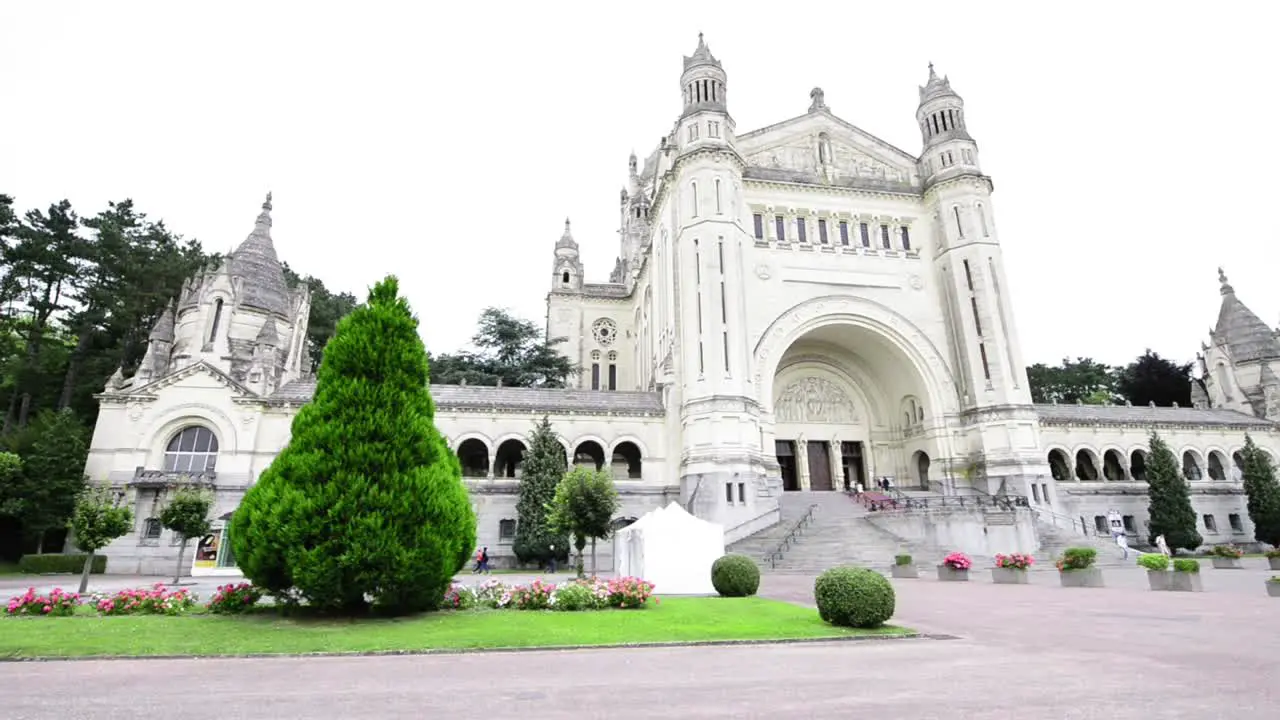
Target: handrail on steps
776, 554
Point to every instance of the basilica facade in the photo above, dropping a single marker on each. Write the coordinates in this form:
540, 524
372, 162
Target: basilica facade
800, 307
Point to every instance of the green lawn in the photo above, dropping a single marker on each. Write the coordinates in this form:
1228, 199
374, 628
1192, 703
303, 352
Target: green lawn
672, 620
8, 568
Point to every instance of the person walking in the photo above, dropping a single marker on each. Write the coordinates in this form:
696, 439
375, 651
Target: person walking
484, 561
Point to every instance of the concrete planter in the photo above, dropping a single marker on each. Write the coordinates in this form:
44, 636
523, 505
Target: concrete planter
1273, 588
1274, 563
1088, 577
906, 571
1160, 579
1186, 582
1224, 563
948, 574
1009, 576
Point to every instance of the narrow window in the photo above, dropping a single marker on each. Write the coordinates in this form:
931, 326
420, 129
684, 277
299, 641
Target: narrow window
866, 235
950, 160
724, 306
595, 376
693, 193
986, 369
217, 318
968, 276
780, 226
1210, 523
718, 210
884, 237
801, 230
844, 233
724, 337
822, 231
728, 493
982, 216
613, 376
742, 492
959, 225
697, 278
906, 238
564, 277
758, 219
977, 321
720, 255
1236, 524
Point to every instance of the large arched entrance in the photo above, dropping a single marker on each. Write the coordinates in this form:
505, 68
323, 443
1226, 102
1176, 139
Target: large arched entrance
853, 392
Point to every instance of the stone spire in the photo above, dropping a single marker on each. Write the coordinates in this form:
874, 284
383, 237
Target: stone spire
1246, 336
163, 329
701, 56
935, 87
268, 334
566, 240
257, 266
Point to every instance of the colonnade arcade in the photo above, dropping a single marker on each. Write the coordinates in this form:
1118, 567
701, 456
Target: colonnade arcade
483, 458
849, 407
1087, 464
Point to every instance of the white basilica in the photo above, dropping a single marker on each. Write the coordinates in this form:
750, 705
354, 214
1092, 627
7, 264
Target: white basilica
794, 309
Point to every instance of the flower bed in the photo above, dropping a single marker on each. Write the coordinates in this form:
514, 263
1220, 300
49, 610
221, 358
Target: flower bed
574, 595
231, 599
57, 603
158, 600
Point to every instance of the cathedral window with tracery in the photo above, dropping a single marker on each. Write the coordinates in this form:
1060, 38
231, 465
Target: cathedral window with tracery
605, 331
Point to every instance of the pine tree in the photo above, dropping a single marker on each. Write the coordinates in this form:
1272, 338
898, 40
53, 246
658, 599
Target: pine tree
543, 466
1263, 491
1170, 500
367, 500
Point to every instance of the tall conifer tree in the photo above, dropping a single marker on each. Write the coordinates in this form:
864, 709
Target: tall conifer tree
1169, 496
1263, 490
543, 466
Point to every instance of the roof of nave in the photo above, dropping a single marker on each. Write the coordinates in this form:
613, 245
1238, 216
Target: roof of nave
1246, 336
1138, 415
513, 399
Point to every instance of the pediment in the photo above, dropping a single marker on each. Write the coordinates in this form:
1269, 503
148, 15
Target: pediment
197, 375
827, 149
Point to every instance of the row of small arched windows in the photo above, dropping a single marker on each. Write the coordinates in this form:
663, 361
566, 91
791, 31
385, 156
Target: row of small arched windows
1113, 466
508, 458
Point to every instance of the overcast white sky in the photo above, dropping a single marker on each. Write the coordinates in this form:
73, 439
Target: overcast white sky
1128, 141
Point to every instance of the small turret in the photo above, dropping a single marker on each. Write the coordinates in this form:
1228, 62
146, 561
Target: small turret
155, 363
567, 274
949, 150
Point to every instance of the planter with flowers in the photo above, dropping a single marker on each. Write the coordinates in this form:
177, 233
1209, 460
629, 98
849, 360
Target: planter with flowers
1011, 569
902, 567
1227, 557
955, 568
1273, 558
1273, 586
1075, 568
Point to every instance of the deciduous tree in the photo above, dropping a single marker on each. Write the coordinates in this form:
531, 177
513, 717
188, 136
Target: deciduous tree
1154, 379
187, 513
584, 505
99, 518
1079, 380
509, 351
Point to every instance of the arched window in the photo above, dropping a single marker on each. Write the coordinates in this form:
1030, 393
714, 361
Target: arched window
217, 319
194, 450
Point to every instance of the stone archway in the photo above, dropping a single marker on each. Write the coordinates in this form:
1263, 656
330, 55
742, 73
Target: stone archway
831, 374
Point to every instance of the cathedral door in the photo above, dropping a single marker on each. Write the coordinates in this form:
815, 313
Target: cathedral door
819, 466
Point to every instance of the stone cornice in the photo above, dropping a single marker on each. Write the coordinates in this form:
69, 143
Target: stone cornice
1155, 425
816, 188
977, 178
511, 486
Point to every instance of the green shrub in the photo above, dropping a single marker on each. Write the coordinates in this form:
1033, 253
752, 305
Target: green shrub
1227, 551
1154, 561
901, 560
735, 576
365, 505
1077, 558
1273, 553
1186, 565
60, 563
854, 597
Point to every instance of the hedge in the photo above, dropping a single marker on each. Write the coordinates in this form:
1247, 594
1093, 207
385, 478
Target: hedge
60, 564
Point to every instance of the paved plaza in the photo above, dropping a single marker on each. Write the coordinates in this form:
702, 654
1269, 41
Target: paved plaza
1036, 652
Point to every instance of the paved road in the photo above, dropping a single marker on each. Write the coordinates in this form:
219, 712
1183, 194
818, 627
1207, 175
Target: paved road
1036, 652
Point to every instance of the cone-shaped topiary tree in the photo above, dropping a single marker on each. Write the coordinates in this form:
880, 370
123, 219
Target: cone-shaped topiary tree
540, 473
1169, 498
366, 503
1263, 492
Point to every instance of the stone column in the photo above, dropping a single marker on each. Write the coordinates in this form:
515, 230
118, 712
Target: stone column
493, 460
802, 462
836, 458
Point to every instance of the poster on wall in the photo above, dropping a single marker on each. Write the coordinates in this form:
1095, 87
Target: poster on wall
207, 549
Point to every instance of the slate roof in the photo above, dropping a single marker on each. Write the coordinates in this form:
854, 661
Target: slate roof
1126, 415
257, 264
530, 400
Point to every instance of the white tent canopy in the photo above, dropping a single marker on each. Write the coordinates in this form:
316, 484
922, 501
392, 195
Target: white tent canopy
671, 549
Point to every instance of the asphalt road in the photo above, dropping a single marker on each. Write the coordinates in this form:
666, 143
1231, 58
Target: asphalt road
1035, 652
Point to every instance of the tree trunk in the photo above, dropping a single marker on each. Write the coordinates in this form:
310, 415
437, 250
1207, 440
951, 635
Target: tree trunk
73, 367
182, 550
84, 576
593, 557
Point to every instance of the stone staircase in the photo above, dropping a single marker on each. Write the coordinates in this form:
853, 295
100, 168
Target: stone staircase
1054, 540
839, 533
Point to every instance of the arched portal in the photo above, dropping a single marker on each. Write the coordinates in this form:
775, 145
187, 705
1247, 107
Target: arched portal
473, 454
626, 461
509, 459
589, 454
833, 373
922, 469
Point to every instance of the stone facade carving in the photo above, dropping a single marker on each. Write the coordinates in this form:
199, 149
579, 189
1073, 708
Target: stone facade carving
814, 400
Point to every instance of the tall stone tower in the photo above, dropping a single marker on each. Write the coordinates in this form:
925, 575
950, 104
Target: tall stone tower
634, 228
970, 269
717, 409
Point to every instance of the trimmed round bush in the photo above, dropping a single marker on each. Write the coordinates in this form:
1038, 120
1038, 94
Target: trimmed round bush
854, 597
735, 575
